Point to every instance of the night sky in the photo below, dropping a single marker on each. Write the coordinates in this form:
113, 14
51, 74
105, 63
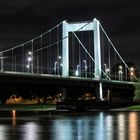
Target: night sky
21, 20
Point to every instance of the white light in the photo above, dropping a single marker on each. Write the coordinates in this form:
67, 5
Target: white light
131, 73
59, 57
85, 64
107, 70
29, 52
76, 73
28, 66
29, 59
132, 69
120, 67
120, 72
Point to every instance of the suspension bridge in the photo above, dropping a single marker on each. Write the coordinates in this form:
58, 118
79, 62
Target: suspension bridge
69, 54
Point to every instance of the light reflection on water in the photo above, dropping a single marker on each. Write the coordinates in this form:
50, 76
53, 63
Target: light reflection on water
121, 126
133, 126
92, 126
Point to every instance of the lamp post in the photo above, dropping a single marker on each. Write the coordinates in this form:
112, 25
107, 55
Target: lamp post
59, 63
77, 70
85, 67
55, 67
37, 63
132, 74
107, 70
120, 72
29, 61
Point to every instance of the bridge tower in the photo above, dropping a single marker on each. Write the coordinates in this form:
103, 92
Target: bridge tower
80, 26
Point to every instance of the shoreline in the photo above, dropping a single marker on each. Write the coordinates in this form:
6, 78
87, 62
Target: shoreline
53, 108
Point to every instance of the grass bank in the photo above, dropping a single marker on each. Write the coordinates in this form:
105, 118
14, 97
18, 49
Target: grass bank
135, 107
28, 107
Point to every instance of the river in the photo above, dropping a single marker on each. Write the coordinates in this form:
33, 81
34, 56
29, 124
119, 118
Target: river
96, 125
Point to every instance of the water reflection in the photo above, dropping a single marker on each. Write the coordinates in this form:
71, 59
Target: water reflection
30, 131
95, 126
133, 126
99, 127
109, 127
14, 117
121, 126
3, 132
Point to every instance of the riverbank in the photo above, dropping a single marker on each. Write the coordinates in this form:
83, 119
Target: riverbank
34, 107
52, 107
129, 108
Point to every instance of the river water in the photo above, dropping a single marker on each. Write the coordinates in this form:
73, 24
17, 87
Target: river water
104, 125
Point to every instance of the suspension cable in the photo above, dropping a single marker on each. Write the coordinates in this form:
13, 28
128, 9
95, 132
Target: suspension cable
88, 53
32, 39
115, 49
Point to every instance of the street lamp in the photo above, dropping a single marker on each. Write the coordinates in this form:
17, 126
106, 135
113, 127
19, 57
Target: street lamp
30, 61
107, 70
59, 63
85, 67
120, 67
59, 57
28, 66
30, 53
132, 74
120, 72
77, 70
55, 66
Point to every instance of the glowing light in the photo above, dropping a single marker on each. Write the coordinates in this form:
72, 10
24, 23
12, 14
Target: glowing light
133, 126
29, 59
59, 57
3, 132
14, 117
28, 66
31, 131
132, 69
76, 73
109, 127
120, 67
77, 70
29, 52
121, 127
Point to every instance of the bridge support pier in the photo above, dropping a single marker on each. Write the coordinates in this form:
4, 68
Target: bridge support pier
64, 93
99, 91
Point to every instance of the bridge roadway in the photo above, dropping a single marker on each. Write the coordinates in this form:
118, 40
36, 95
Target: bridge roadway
43, 82
52, 80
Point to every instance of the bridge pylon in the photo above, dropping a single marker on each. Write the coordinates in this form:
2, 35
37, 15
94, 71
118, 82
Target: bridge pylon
80, 26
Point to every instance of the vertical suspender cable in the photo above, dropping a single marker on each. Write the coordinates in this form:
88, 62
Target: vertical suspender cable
22, 58
89, 44
50, 52
109, 64
41, 54
12, 60
32, 55
58, 55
